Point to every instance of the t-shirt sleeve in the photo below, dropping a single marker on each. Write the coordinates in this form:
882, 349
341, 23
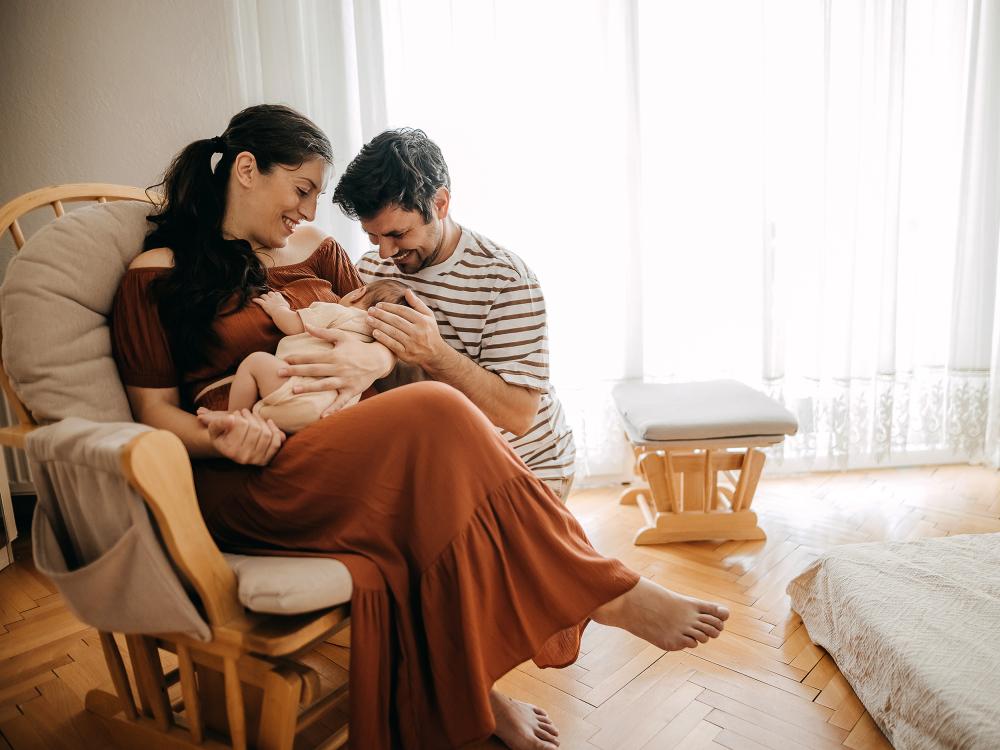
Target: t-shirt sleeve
335, 266
515, 343
138, 342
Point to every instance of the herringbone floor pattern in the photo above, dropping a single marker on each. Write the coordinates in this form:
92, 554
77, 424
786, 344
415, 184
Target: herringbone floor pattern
761, 685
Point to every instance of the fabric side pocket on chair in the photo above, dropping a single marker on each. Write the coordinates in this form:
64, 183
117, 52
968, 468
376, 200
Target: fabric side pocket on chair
122, 590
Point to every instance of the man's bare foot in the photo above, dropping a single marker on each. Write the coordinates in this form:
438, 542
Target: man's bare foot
522, 726
665, 619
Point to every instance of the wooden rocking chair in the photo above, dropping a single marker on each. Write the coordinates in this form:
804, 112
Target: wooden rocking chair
251, 666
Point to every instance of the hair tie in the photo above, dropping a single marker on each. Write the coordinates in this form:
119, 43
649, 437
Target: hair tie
218, 145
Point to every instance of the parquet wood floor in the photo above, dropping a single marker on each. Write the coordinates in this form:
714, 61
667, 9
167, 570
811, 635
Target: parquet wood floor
761, 685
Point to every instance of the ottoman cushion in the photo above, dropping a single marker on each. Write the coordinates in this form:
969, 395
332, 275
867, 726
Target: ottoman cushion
707, 410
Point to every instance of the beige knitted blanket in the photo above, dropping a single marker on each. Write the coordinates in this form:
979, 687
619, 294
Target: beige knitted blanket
915, 629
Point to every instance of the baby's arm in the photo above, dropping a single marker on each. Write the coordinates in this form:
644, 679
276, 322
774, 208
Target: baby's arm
287, 320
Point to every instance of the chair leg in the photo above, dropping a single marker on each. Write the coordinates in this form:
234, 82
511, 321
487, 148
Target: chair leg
212, 691
234, 704
279, 712
119, 677
189, 690
149, 679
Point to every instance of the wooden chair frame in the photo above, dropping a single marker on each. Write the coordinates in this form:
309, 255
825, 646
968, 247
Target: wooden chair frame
250, 668
685, 501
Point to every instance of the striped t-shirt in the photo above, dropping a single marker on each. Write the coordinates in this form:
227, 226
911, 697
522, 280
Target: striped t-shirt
489, 307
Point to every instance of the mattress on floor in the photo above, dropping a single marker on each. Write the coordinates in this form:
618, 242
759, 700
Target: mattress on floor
915, 628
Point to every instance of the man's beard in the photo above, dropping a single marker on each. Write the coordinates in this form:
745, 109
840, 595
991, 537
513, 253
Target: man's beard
431, 259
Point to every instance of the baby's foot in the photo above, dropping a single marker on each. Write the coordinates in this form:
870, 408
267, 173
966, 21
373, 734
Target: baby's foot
666, 619
522, 726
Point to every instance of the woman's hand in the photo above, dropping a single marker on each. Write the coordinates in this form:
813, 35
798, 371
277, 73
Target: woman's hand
242, 436
349, 368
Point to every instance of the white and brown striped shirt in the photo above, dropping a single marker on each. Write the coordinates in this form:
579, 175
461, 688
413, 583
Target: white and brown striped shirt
489, 307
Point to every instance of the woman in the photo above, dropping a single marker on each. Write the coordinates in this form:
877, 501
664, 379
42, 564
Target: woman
464, 564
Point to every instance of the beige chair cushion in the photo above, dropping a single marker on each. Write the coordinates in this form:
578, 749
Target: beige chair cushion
290, 585
699, 411
56, 298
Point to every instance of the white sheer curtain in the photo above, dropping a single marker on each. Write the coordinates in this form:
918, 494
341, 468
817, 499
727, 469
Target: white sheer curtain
881, 219
801, 195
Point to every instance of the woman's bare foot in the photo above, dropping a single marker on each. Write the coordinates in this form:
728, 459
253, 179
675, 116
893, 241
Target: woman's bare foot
522, 726
665, 619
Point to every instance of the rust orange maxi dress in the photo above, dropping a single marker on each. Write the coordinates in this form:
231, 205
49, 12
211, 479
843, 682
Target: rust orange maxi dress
464, 564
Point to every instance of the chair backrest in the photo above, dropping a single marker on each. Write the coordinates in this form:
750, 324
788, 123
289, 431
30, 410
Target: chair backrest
10, 213
43, 290
56, 359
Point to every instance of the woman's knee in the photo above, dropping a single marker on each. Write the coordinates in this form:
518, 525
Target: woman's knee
438, 402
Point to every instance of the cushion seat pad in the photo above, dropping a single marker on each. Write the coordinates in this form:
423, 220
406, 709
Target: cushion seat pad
702, 411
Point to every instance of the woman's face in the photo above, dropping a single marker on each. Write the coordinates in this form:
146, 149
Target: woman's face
267, 207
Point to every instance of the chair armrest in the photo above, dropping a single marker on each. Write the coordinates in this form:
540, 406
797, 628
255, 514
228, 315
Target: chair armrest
16, 436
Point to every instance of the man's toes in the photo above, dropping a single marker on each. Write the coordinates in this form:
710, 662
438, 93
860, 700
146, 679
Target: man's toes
688, 641
719, 611
548, 725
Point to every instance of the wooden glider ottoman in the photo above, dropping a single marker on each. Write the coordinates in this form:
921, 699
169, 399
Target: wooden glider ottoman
684, 435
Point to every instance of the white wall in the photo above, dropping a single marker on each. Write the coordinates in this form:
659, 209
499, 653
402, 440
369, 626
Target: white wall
107, 90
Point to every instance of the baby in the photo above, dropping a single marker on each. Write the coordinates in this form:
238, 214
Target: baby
258, 386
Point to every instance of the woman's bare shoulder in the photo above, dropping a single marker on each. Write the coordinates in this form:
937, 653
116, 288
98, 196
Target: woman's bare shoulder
305, 240
161, 257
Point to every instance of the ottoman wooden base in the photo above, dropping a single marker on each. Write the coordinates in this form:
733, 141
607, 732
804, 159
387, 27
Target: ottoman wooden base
686, 501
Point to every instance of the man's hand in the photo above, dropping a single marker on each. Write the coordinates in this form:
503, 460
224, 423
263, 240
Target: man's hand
411, 333
349, 368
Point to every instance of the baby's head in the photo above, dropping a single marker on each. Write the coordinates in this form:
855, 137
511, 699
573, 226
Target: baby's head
381, 290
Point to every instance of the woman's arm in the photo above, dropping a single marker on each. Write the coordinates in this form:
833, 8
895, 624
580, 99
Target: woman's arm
240, 436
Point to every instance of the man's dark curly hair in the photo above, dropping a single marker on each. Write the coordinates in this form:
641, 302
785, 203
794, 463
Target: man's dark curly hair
401, 168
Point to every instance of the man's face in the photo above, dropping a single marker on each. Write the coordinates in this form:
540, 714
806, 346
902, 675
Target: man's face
405, 238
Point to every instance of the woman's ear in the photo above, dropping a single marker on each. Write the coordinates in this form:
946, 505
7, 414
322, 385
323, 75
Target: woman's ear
245, 168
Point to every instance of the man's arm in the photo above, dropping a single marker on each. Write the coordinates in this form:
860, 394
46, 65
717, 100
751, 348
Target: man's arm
411, 333
512, 407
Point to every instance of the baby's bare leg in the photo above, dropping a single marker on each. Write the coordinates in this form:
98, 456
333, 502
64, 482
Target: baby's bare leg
256, 377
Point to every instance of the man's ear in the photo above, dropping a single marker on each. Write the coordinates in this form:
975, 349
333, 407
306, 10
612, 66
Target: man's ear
442, 201
245, 168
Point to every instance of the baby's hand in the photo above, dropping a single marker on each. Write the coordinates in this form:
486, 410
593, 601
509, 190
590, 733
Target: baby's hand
272, 301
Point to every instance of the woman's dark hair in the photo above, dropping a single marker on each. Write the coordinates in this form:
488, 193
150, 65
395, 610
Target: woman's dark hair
211, 273
401, 168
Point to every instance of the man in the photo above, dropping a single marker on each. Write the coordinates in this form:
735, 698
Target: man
483, 327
